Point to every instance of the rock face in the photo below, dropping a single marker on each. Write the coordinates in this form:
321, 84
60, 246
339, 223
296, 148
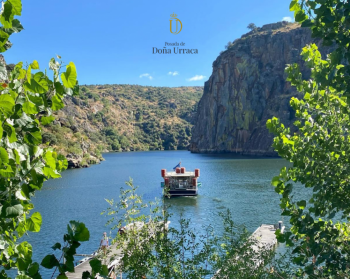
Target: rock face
3, 70
247, 87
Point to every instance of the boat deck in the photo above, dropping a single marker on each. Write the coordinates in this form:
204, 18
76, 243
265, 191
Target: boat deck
185, 174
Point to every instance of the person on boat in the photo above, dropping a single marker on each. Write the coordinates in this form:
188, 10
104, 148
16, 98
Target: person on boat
104, 243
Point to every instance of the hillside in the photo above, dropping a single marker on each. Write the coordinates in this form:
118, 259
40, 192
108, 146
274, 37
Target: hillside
247, 87
107, 118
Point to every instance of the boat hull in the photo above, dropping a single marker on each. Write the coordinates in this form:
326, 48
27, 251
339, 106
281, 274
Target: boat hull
183, 193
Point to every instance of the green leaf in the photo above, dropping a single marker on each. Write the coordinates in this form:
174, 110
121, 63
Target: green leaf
275, 181
16, 27
57, 246
62, 163
35, 65
6, 45
3, 37
47, 119
50, 261
8, 172
51, 173
11, 132
37, 100
17, 6
33, 269
4, 157
300, 16
57, 103
59, 88
29, 108
104, 270
33, 136
294, 5
50, 161
95, 265
301, 204
86, 275
6, 104
62, 276
29, 74
69, 78
78, 231
25, 250
307, 96
25, 191
33, 223
37, 84
307, 23
22, 74
13, 210
7, 15
22, 264
70, 266
21, 229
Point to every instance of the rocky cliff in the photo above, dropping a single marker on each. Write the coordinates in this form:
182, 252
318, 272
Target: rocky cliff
248, 86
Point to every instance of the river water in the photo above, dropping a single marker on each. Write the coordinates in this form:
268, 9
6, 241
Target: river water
241, 184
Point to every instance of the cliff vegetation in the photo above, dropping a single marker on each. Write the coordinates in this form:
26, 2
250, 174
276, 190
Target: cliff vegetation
118, 118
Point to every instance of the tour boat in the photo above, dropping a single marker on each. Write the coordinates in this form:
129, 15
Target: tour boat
180, 182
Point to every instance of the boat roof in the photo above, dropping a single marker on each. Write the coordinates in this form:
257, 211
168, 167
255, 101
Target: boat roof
174, 174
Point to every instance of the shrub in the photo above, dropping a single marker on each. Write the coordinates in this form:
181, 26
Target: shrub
50, 138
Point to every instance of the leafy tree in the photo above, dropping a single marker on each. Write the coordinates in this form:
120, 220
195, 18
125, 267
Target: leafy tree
115, 145
329, 20
228, 45
27, 101
251, 26
320, 149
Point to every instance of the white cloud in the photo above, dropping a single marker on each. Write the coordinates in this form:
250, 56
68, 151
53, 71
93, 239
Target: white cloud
196, 77
146, 75
173, 73
287, 18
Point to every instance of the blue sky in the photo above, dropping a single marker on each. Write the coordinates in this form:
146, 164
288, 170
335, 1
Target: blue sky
111, 41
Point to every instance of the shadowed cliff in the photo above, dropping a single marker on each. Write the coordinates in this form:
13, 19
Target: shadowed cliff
247, 87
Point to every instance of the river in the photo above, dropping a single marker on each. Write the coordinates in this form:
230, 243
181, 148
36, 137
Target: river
241, 184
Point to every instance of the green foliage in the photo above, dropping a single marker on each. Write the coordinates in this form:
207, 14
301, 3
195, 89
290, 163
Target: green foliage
10, 25
320, 149
24, 164
330, 21
153, 249
251, 26
76, 233
141, 118
27, 101
228, 45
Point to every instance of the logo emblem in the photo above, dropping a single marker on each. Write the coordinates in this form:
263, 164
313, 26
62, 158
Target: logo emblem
175, 24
